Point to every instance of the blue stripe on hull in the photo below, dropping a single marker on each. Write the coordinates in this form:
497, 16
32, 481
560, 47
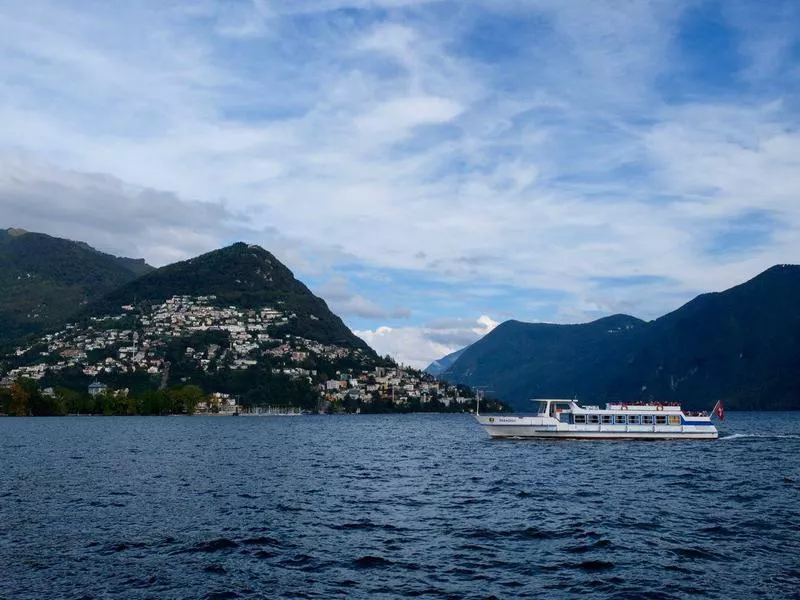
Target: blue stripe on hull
602, 435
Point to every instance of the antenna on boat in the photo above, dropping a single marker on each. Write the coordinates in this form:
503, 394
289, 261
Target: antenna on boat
479, 392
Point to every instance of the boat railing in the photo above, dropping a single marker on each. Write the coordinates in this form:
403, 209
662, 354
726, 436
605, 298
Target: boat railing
626, 404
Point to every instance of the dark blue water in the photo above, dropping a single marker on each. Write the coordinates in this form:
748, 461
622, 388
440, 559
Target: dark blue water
392, 507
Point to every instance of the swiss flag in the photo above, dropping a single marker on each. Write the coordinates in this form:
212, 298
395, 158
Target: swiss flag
719, 410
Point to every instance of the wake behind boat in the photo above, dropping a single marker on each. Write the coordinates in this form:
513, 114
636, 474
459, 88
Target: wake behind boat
565, 419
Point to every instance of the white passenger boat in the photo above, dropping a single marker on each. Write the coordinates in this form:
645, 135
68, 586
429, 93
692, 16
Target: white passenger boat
566, 419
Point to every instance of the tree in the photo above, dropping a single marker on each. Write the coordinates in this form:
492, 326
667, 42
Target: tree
5, 400
185, 398
193, 395
74, 403
106, 402
120, 403
19, 400
153, 402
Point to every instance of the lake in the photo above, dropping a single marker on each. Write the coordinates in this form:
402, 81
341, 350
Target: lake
392, 506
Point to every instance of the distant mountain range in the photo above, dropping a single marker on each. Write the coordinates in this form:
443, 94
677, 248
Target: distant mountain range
45, 280
438, 367
741, 345
237, 319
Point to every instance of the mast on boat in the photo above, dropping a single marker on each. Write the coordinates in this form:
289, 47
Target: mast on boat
480, 391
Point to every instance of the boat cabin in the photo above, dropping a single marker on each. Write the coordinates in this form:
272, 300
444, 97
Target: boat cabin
556, 408
644, 413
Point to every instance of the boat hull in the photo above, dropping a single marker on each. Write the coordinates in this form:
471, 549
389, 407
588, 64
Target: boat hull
542, 430
592, 435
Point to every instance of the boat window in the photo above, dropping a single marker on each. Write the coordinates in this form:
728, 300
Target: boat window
593, 418
580, 418
606, 419
633, 419
661, 420
647, 419
620, 419
674, 420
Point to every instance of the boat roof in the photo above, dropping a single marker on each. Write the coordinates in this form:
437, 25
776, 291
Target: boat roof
617, 406
553, 400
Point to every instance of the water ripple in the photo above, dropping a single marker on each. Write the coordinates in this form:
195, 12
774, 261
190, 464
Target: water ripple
392, 507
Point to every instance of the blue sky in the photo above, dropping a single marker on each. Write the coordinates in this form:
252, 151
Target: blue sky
431, 168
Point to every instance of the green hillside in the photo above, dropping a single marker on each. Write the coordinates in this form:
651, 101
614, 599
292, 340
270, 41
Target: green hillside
242, 275
232, 326
45, 280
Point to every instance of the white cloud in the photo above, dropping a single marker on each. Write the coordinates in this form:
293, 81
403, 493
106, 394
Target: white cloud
394, 120
345, 302
108, 213
403, 141
420, 346
485, 325
242, 20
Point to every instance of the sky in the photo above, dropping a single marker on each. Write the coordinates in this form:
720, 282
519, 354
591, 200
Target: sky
430, 168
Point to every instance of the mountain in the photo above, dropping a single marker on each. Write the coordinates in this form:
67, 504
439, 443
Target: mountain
242, 275
741, 345
231, 328
519, 360
234, 321
438, 367
45, 280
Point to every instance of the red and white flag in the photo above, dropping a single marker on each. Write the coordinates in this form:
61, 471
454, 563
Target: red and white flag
719, 410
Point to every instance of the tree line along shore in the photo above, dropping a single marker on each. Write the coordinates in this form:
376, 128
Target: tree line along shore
25, 398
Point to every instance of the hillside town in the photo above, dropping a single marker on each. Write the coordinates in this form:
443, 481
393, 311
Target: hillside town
214, 338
